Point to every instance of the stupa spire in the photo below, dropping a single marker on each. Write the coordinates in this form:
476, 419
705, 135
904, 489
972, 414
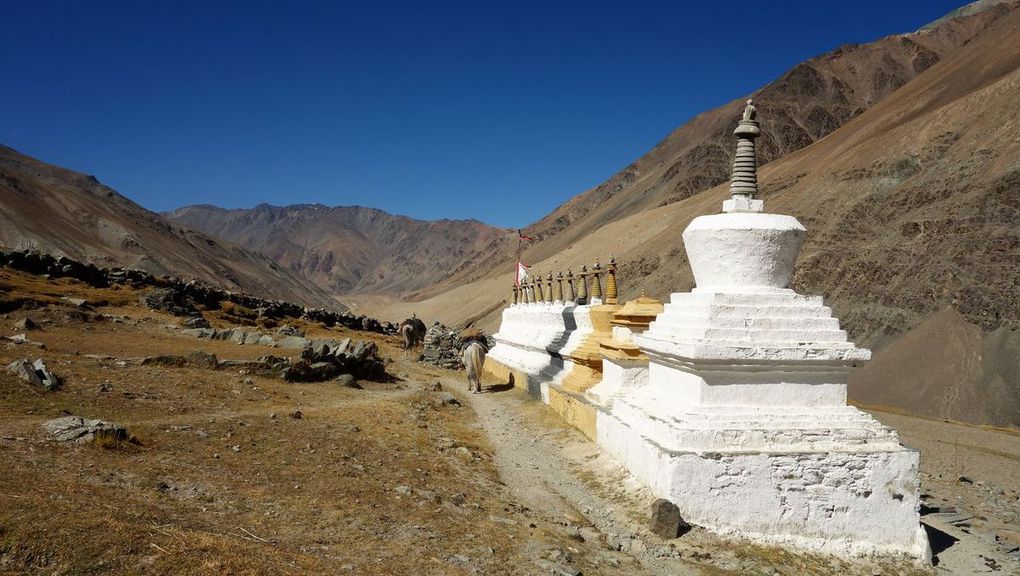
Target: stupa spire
744, 181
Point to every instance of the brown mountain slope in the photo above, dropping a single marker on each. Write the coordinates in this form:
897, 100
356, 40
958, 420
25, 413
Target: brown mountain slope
350, 248
911, 207
63, 212
947, 368
804, 105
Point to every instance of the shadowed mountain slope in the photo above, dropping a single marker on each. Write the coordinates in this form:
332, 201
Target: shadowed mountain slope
63, 212
350, 248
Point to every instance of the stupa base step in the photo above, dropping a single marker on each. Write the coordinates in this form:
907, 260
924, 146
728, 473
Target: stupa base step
574, 409
845, 503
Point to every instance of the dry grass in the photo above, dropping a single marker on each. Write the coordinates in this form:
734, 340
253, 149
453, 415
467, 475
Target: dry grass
225, 481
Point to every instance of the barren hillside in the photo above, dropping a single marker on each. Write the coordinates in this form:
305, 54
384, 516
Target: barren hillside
911, 208
350, 248
804, 105
64, 212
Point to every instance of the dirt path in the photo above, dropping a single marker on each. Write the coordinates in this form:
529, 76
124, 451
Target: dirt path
556, 472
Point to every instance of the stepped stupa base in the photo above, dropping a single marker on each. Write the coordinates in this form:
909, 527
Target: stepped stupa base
756, 477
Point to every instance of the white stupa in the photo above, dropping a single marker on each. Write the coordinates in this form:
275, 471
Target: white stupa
743, 422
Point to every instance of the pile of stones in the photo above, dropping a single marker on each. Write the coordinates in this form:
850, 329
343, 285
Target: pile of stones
442, 346
321, 360
331, 360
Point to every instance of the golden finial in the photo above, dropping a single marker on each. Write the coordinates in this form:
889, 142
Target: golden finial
611, 281
582, 290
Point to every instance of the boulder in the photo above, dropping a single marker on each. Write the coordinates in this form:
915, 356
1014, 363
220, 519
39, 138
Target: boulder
204, 333
81, 430
25, 324
196, 322
203, 359
666, 521
80, 303
293, 342
34, 373
164, 360
348, 381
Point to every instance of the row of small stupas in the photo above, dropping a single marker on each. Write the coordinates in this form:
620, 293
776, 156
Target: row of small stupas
531, 291
730, 400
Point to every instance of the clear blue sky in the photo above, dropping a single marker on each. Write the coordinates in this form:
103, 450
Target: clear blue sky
498, 111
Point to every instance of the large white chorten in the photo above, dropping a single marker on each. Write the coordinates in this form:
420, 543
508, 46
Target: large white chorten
743, 421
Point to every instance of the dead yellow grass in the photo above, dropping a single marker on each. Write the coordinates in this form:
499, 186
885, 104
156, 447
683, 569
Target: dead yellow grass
225, 480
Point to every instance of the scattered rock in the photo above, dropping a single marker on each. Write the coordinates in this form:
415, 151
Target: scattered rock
34, 373
445, 398
196, 322
288, 330
1009, 537
297, 342
297, 415
81, 430
173, 300
666, 521
405, 490
26, 324
79, 303
348, 381
20, 339
164, 360
965, 480
203, 359
203, 333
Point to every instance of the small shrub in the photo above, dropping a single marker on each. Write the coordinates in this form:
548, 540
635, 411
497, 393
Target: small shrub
114, 441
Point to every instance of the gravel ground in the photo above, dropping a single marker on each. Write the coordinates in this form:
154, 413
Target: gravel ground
555, 471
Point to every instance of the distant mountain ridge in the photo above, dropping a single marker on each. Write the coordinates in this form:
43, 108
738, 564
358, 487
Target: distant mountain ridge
63, 212
348, 249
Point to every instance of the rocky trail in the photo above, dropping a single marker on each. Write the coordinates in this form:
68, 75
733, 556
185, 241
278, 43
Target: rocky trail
969, 483
563, 479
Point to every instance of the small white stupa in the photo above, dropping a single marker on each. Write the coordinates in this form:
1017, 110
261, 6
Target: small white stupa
743, 422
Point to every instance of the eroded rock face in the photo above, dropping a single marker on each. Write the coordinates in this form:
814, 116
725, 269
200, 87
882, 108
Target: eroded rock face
34, 373
81, 430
